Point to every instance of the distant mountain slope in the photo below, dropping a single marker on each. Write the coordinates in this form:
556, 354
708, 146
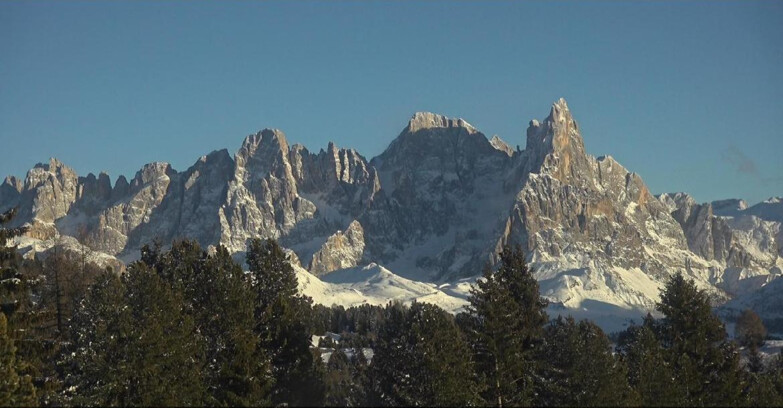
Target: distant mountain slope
434, 208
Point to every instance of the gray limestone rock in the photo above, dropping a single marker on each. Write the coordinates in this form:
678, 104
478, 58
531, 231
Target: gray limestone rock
437, 205
341, 250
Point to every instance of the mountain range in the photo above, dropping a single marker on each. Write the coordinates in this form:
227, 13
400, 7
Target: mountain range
422, 219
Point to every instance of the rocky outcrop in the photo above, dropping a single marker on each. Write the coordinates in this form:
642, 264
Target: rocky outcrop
439, 208
501, 145
728, 207
341, 178
262, 198
708, 236
733, 235
589, 225
341, 250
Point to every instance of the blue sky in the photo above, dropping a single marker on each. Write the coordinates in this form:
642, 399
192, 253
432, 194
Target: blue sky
687, 94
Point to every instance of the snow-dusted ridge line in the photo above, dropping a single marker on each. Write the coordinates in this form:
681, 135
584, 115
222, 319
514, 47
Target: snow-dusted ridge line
434, 208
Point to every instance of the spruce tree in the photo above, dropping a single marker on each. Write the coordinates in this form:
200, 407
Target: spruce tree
360, 378
15, 389
580, 369
239, 370
774, 372
759, 390
134, 345
25, 318
389, 378
649, 372
421, 359
220, 299
15, 299
339, 380
504, 323
703, 361
283, 322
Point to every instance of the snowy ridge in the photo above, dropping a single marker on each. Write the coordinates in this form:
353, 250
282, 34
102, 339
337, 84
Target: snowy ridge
374, 285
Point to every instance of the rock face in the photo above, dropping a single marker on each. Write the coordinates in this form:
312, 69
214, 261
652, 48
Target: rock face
592, 229
341, 250
708, 236
748, 246
441, 201
436, 206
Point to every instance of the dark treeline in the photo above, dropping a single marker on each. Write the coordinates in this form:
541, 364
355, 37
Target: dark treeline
189, 327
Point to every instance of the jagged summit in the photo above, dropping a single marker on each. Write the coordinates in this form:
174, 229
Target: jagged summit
559, 111
559, 121
435, 206
429, 120
501, 145
267, 135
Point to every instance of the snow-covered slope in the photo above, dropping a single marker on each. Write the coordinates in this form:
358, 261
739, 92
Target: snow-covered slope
375, 285
766, 301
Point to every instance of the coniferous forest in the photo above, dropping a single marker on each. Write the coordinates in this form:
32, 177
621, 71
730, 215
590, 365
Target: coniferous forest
191, 327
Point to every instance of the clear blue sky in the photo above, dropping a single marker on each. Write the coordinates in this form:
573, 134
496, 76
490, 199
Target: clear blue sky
687, 94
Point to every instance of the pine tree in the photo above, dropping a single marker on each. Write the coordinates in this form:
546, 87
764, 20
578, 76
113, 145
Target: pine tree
339, 380
239, 371
504, 323
759, 382
220, 299
704, 363
61, 282
389, 378
283, 320
443, 352
24, 318
649, 372
15, 389
421, 359
14, 287
759, 390
133, 344
360, 378
749, 329
580, 369
774, 373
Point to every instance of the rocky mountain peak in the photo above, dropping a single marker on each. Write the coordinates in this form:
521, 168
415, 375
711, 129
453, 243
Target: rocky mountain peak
558, 131
151, 172
432, 140
9, 192
501, 145
341, 250
675, 201
555, 146
267, 148
121, 187
95, 189
559, 113
428, 120
729, 207
436, 205
43, 171
216, 156
14, 183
